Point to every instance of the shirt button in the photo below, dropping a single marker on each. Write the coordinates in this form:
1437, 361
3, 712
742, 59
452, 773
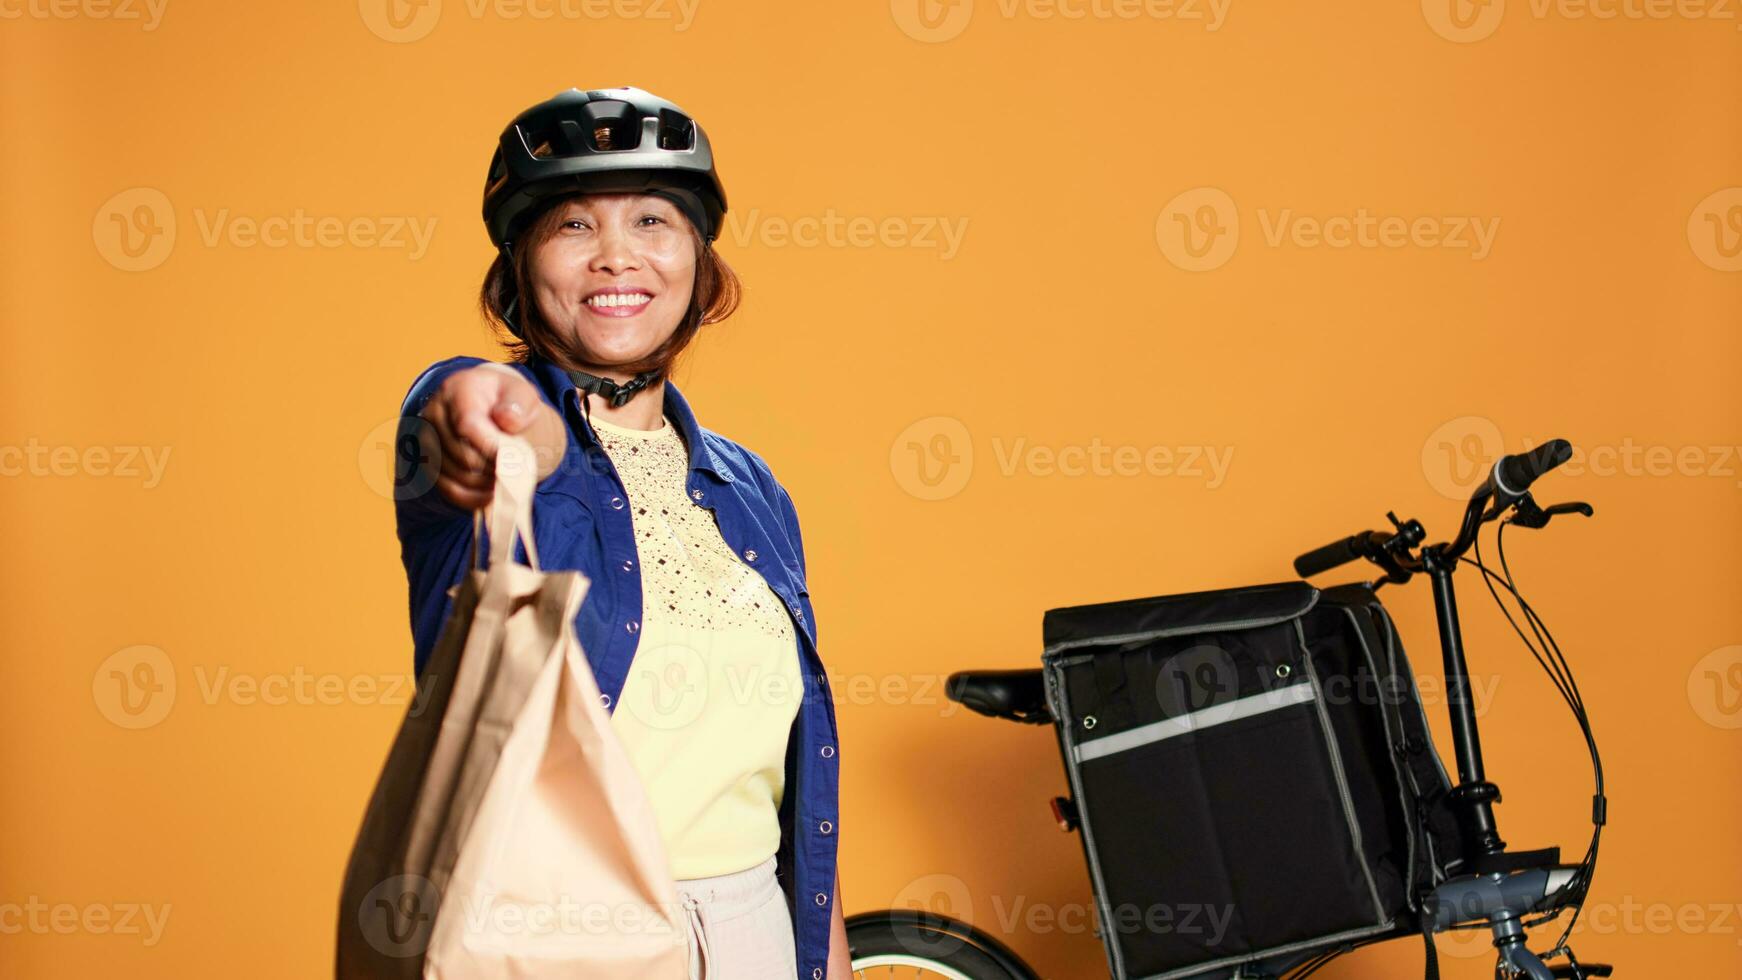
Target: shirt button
696, 494
822, 899
616, 503
632, 626
828, 751
605, 699
825, 826
817, 973
628, 565
750, 554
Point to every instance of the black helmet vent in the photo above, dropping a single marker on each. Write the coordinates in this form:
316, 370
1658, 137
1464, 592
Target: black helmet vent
611, 125
676, 131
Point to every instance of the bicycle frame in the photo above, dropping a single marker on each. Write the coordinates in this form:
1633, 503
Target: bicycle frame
1474, 796
1500, 887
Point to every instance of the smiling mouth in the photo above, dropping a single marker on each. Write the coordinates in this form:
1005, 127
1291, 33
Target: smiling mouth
618, 301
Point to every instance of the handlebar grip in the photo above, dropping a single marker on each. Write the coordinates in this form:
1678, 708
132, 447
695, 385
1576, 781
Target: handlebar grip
1517, 473
1329, 557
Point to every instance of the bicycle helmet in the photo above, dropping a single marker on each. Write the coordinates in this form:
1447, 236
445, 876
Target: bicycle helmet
607, 140
620, 139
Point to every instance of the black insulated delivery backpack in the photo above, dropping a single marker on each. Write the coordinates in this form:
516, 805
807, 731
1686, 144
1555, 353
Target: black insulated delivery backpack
1252, 773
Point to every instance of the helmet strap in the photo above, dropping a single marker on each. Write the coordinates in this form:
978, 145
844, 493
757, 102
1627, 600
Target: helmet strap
511, 311
611, 391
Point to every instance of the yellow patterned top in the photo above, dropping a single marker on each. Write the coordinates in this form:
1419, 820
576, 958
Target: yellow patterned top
714, 685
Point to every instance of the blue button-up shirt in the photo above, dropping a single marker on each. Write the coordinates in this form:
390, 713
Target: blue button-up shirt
582, 521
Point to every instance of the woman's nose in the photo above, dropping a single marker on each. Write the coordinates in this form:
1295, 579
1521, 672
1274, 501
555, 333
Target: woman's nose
616, 252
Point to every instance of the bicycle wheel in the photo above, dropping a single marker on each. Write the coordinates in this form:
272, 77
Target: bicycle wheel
900, 945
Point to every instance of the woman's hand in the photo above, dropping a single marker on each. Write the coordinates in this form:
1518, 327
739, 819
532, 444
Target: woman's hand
471, 411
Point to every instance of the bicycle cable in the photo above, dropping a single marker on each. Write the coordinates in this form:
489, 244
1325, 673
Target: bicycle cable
1560, 672
1599, 801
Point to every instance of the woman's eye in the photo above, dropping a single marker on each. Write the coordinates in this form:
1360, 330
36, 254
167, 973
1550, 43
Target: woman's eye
653, 218
574, 223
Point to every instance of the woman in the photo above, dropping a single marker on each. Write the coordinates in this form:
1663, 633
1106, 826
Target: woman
604, 206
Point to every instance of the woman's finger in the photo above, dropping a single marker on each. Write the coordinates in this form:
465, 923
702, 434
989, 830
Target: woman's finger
472, 423
511, 413
455, 456
460, 456
462, 464
460, 495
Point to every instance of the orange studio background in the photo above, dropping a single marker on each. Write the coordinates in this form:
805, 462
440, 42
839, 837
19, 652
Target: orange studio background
1048, 302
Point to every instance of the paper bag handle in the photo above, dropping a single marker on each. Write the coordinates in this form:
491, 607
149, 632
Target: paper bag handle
510, 507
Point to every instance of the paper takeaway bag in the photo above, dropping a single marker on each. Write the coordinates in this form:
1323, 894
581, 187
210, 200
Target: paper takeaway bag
509, 835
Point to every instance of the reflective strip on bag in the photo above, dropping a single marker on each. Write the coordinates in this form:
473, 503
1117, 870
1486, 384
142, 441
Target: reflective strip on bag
1156, 731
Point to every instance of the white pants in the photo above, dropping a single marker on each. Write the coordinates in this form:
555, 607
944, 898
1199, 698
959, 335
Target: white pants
739, 926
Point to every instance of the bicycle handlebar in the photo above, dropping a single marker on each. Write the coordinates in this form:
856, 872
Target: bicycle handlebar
1506, 484
1515, 474
1331, 555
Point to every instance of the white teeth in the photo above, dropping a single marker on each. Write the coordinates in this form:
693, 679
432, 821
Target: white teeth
619, 299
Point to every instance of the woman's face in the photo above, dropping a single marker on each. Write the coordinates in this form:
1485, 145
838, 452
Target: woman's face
616, 276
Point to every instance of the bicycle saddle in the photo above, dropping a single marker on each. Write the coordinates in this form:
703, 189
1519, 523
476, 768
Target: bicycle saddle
1013, 694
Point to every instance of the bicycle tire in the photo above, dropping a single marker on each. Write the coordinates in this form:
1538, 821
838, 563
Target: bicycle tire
929, 944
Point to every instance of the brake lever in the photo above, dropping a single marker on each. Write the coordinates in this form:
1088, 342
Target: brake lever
1526, 512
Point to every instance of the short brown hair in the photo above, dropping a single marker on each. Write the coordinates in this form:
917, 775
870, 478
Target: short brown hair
713, 298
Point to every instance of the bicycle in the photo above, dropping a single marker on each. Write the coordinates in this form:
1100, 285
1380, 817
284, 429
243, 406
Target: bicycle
1506, 892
